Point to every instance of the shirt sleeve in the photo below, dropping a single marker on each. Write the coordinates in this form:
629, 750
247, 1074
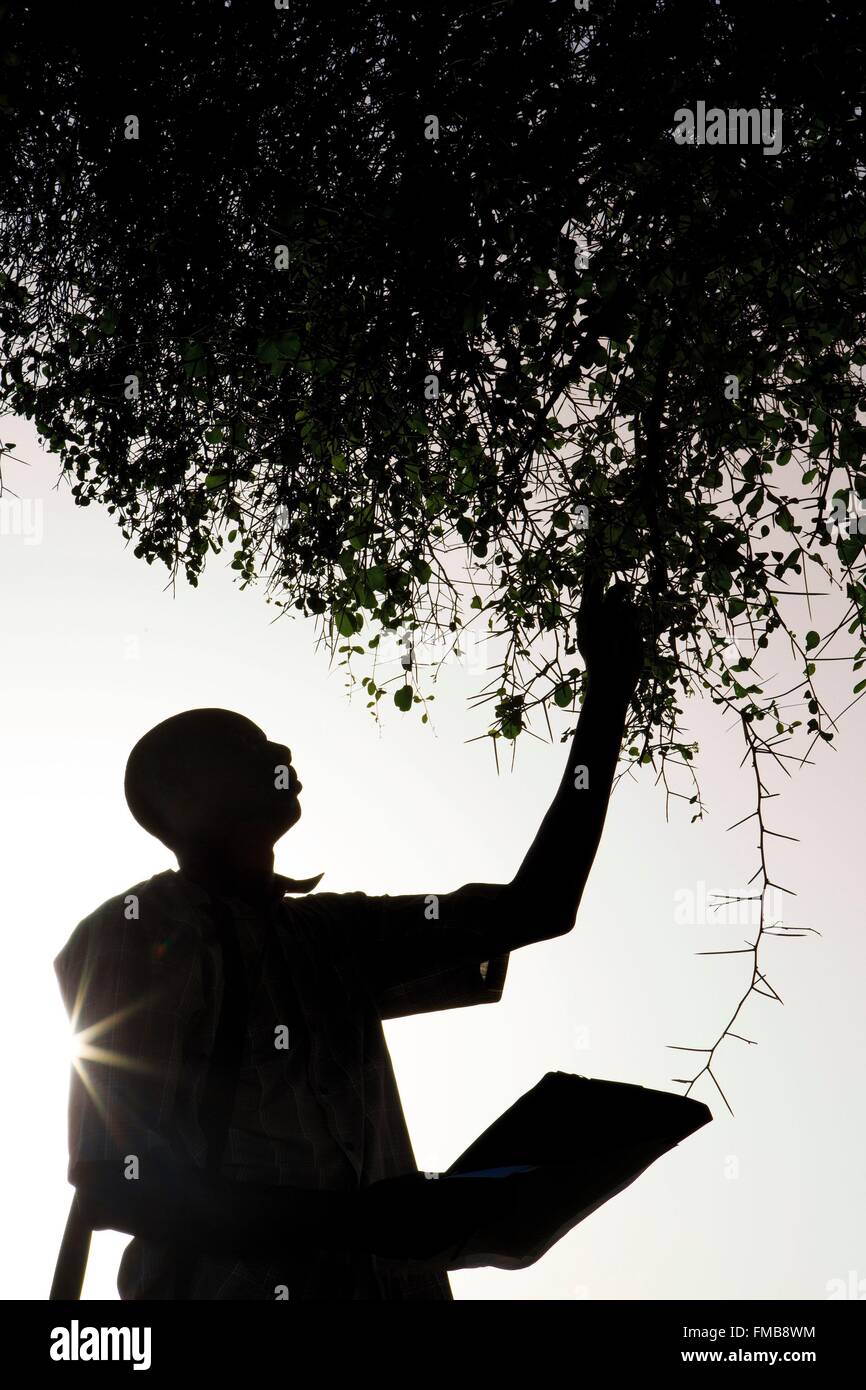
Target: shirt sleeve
125, 986
420, 953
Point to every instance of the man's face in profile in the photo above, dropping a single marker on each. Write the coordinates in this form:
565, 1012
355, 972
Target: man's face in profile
251, 778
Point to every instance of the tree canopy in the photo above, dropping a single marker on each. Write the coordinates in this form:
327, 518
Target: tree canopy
420, 312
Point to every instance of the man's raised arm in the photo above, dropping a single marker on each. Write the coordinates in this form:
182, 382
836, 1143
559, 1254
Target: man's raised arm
485, 921
546, 890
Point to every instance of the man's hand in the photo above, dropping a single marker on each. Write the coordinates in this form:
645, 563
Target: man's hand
609, 636
429, 1219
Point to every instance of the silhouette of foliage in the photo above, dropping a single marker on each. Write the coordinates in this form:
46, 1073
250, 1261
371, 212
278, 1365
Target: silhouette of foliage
417, 312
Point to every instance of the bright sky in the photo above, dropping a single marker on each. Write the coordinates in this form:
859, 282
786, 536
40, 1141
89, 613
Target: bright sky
769, 1204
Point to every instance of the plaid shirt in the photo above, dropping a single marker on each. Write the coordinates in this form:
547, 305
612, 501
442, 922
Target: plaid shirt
141, 979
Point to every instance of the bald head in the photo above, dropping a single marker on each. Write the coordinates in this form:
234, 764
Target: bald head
206, 775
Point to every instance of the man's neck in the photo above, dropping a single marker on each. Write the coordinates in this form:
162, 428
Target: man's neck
248, 875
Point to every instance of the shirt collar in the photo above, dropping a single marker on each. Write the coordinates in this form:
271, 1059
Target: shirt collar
281, 886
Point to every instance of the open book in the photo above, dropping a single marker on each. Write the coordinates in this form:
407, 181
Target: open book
577, 1142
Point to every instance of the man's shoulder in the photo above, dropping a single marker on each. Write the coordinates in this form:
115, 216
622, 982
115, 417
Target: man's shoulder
161, 895
330, 900
139, 914
336, 922
330, 908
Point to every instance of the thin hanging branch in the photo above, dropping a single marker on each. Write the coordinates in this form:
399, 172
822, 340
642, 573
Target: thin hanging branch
758, 983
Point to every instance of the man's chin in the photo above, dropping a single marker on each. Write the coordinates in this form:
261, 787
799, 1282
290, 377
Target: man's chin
292, 816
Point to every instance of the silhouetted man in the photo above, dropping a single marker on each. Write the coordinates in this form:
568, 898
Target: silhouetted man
310, 1189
